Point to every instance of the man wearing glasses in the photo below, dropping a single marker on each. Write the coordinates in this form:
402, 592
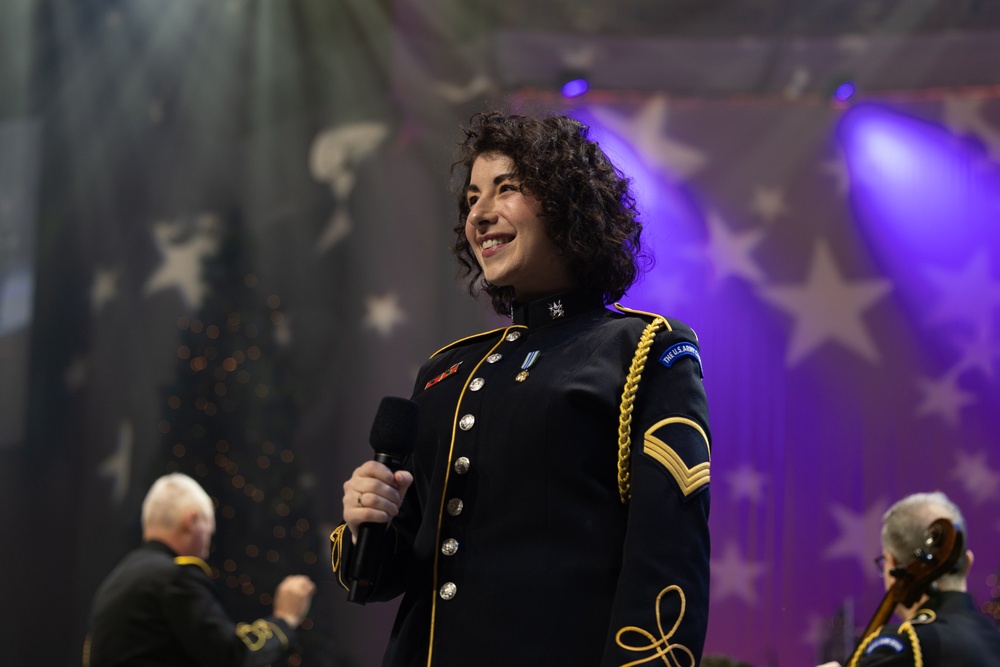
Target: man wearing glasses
943, 628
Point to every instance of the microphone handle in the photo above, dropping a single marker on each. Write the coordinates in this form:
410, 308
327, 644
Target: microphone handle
368, 549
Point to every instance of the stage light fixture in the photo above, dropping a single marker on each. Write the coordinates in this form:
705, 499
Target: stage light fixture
844, 91
573, 84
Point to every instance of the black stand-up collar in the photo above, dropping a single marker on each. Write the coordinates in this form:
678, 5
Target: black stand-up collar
555, 308
156, 545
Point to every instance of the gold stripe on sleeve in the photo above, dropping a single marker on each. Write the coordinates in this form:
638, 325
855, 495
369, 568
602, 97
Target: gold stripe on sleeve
689, 479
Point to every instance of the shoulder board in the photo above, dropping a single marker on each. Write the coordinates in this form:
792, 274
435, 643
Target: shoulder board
670, 323
632, 311
923, 617
473, 338
194, 560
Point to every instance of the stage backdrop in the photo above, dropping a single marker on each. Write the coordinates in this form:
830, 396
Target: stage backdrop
225, 231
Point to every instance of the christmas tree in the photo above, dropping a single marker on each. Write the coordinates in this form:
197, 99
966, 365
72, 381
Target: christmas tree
228, 422
992, 606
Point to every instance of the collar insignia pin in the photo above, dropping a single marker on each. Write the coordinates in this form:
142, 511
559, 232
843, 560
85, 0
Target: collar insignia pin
556, 309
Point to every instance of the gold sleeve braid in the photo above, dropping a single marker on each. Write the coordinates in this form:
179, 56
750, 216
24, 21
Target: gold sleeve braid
861, 648
337, 546
658, 649
627, 404
337, 553
918, 656
256, 634
905, 628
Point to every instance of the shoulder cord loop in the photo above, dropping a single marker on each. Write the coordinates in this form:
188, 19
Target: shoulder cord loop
918, 656
861, 648
628, 401
905, 628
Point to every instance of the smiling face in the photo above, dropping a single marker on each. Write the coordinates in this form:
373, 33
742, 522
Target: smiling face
507, 235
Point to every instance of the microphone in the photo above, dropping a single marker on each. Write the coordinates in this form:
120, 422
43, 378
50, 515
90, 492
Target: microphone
393, 436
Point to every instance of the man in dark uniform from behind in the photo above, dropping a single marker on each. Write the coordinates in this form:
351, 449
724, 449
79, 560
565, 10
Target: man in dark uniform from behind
944, 628
159, 605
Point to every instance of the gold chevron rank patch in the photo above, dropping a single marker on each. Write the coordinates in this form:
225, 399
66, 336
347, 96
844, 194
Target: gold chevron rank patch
681, 445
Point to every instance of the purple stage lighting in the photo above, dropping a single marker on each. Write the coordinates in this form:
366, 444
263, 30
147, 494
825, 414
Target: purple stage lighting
845, 91
575, 87
916, 187
926, 201
672, 216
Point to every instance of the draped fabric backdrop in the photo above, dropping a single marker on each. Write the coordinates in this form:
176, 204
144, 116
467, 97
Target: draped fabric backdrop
224, 231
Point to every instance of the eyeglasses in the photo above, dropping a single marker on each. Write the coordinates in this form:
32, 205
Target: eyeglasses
880, 563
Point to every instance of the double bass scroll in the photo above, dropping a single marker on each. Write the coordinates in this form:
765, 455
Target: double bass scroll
944, 544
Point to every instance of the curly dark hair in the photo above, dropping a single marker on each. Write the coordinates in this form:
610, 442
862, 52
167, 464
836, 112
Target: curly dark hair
587, 206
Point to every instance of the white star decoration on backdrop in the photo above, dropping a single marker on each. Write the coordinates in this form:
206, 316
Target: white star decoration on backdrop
645, 133
155, 111
968, 294
76, 373
826, 307
979, 352
943, 397
730, 252
383, 313
669, 288
333, 158
481, 84
733, 576
746, 482
580, 57
859, 535
976, 476
118, 466
768, 203
837, 168
797, 82
103, 289
184, 253
853, 43
816, 630
282, 331
963, 115
839, 626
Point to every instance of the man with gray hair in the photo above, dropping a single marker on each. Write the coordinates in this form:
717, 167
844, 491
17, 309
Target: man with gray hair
159, 605
943, 627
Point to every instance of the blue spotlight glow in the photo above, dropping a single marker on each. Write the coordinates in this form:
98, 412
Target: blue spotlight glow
918, 191
845, 91
672, 219
575, 87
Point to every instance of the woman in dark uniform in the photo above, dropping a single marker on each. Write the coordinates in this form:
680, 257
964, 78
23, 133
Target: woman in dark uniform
555, 509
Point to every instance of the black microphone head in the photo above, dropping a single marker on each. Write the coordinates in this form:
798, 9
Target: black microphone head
394, 430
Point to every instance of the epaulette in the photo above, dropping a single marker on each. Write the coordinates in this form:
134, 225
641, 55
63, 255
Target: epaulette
671, 324
471, 339
643, 313
194, 560
924, 617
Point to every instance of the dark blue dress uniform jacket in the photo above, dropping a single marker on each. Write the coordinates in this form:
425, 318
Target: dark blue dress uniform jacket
157, 609
948, 631
529, 556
